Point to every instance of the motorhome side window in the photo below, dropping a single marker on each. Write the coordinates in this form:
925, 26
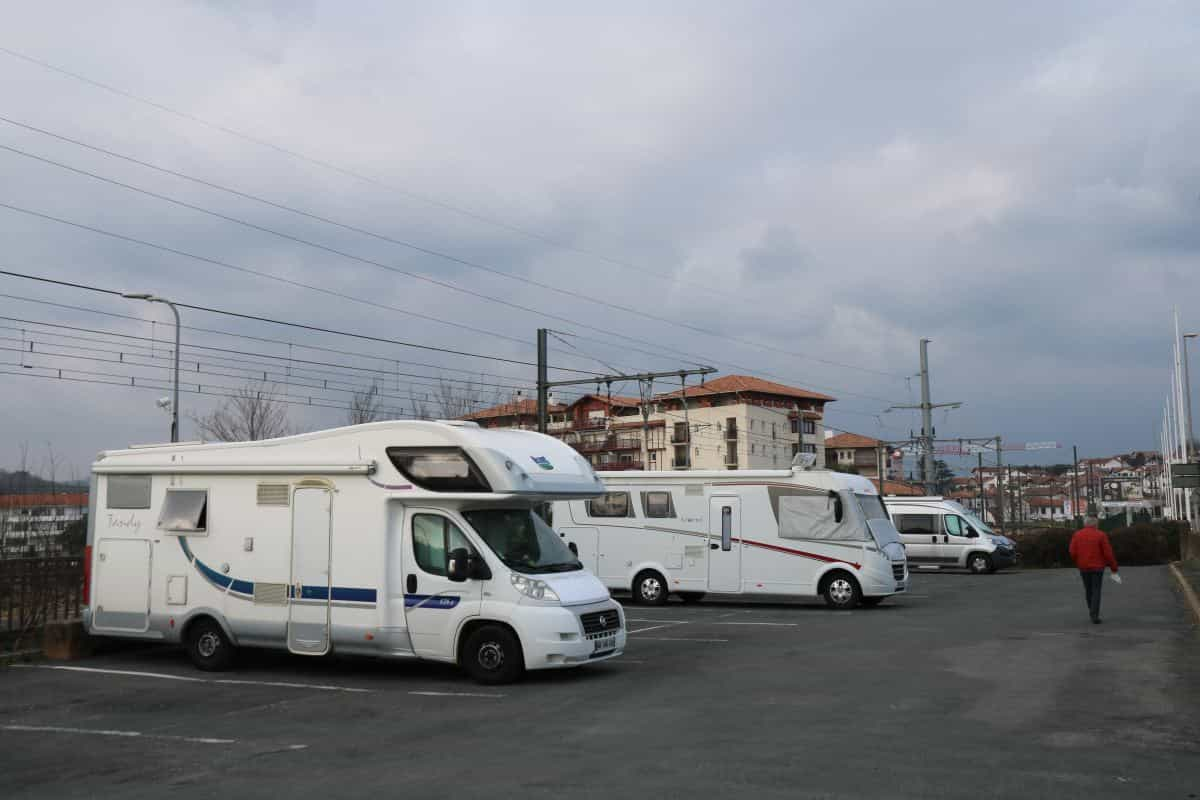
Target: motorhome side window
434, 537
658, 505
184, 511
613, 504
128, 491
915, 523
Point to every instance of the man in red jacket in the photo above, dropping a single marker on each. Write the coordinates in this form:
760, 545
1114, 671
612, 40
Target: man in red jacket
1092, 552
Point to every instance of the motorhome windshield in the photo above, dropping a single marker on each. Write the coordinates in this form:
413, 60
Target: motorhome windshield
522, 540
877, 516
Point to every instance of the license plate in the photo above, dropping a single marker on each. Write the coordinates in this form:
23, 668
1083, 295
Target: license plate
605, 644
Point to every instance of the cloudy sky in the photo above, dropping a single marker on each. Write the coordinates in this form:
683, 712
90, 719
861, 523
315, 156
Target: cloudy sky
795, 190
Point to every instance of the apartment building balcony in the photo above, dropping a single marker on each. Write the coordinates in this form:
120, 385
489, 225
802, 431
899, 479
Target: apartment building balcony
608, 444
731, 431
618, 466
681, 434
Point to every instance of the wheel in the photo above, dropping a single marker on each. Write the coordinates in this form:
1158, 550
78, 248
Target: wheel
650, 588
208, 647
492, 655
871, 602
691, 597
841, 591
979, 563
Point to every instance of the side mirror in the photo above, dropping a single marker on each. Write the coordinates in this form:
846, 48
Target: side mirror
458, 565
972, 533
574, 548
838, 510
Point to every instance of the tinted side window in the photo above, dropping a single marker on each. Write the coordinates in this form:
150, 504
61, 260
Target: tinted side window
658, 505
613, 504
433, 538
915, 523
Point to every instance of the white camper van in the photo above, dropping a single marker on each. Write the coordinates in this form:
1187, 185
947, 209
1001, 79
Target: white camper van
940, 533
795, 532
397, 539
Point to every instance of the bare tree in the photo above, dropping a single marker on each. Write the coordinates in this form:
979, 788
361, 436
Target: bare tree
365, 406
453, 401
251, 414
420, 406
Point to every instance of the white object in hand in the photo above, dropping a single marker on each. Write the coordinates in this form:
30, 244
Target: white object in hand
1116, 578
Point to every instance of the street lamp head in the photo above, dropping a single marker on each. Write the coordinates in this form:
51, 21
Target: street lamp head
137, 295
1191, 335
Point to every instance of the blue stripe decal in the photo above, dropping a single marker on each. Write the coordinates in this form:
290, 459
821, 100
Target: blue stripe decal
340, 594
432, 601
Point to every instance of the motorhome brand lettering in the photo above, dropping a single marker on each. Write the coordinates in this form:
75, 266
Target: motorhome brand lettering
542, 462
129, 523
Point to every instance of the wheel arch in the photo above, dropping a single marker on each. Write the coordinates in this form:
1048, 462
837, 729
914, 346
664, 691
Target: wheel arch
198, 614
475, 623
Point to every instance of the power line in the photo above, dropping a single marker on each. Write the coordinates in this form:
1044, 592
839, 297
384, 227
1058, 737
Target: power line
300, 325
382, 237
267, 340
357, 175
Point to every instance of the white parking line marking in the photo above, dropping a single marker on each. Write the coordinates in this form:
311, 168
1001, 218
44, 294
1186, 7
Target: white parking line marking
129, 734
455, 694
191, 679
774, 624
674, 639
655, 627
679, 621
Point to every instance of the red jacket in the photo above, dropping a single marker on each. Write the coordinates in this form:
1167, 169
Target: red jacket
1090, 550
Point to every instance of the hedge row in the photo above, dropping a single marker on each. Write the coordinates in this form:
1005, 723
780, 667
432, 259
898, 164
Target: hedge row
1139, 545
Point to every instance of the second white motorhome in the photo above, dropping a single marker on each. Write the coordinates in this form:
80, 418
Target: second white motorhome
393, 539
796, 532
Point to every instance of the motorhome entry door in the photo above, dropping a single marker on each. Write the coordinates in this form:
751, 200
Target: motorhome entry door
308, 617
724, 544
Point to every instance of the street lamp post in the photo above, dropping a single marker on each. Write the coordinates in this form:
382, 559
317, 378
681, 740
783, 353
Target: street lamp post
175, 395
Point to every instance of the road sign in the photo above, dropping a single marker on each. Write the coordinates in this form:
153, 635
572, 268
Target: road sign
1186, 482
1184, 471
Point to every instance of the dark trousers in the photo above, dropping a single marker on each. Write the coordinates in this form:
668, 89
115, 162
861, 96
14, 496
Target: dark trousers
1093, 582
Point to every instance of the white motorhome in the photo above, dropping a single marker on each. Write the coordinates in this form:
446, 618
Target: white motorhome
939, 533
794, 532
396, 539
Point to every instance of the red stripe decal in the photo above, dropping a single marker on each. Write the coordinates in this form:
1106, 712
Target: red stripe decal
802, 553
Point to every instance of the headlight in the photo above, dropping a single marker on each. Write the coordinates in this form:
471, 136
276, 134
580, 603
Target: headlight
533, 588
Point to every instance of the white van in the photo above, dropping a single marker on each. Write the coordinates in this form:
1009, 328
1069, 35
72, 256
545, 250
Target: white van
796, 532
942, 533
394, 539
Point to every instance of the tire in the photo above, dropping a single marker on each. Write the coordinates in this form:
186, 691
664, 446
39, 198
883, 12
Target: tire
980, 563
841, 591
208, 647
691, 597
871, 602
650, 588
492, 655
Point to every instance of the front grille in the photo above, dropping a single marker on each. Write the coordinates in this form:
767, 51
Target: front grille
601, 621
898, 570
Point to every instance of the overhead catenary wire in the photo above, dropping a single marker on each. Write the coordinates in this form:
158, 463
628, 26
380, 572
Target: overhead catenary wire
391, 240
641, 271
301, 325
266, 340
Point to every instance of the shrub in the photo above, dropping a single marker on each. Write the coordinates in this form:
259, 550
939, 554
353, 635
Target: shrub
1142, 544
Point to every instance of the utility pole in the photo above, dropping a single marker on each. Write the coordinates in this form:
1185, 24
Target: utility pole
982, 496
543, 386
999, 482
927, 406
1075, 484
880, 462
687, 427
645, 381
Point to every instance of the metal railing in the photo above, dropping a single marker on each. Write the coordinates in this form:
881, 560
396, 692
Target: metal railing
35, 592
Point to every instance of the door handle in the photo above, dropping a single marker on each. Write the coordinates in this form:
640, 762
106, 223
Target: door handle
714, 547
946, 538
411, 584
933, 539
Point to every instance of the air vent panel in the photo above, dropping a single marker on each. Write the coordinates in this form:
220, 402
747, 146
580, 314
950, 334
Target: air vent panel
273, 494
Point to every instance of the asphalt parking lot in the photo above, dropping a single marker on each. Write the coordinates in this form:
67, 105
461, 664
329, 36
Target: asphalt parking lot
970, 686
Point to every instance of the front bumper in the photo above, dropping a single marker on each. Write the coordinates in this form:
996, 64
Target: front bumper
553, 637
887, 584
1005, 557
